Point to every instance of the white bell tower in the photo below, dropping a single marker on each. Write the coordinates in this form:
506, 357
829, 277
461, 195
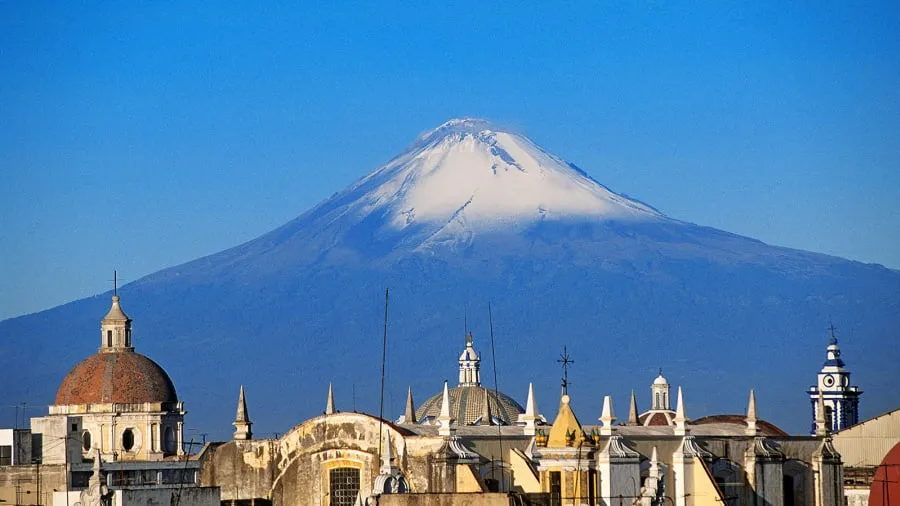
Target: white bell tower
840, 400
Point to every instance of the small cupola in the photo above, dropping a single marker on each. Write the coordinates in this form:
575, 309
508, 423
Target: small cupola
469, 365
660, 392
115, 329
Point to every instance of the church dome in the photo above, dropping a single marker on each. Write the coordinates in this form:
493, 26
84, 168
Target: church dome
467, 405
467, 398
116, 377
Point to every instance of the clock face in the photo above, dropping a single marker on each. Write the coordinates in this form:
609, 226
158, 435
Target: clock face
829, 380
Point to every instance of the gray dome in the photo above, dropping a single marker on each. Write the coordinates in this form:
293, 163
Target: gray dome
467, 405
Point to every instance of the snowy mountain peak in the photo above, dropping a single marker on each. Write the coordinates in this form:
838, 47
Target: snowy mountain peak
468, 175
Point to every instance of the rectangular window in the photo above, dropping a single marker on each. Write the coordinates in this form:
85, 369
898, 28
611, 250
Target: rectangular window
343, 485
592, 487
5, 455
555, 488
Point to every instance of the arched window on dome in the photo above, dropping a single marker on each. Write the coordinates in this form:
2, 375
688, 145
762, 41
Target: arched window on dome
127, 338
109, 338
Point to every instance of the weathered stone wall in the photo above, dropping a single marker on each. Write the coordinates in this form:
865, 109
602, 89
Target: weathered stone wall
242, 469
294, 469
196, 496
485, 499
32, 484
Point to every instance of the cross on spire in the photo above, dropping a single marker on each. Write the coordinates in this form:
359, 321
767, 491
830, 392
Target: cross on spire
115, 281
832, 328
565, 360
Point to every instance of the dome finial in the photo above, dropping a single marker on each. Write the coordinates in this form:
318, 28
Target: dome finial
832, 339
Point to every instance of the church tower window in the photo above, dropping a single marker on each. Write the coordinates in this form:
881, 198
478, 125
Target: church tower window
343, 486
171, 441
109, 338
555, 487
128, 440
86, 441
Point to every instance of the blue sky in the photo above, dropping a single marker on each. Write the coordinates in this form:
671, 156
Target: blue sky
139, 137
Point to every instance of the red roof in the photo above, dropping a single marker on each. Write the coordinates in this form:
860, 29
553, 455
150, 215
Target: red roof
656, 419
765, 428
121, 377
886, 483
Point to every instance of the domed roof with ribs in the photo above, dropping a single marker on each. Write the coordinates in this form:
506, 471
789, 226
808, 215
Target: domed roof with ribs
121, 377
467, 405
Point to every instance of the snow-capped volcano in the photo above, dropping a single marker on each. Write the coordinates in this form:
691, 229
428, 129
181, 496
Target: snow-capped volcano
468, 173
471, 213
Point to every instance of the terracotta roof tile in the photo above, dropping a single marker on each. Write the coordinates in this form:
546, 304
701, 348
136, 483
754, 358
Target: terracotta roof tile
121, 377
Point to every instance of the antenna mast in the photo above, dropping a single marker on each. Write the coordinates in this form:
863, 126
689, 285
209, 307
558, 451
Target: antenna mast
496, 391
383, 359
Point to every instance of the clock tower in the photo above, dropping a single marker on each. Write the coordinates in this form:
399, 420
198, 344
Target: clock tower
841, 401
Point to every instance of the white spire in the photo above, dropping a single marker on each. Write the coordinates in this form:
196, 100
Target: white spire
654, 464
242, 421
329, 405
486, 409
680, 418
387, 455
632, 410
607, 416
751, 415
410, 415
821, 423
530, 417
444, 419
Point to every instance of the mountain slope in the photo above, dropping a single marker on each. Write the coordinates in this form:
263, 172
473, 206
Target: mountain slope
467, 214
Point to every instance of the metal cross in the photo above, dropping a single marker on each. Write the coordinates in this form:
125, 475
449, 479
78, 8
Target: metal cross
832, 328
115, 281
565, 360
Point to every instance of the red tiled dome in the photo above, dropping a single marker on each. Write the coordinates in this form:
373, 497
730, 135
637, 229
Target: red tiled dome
657, 418
122, 377
765, 428
886, 482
